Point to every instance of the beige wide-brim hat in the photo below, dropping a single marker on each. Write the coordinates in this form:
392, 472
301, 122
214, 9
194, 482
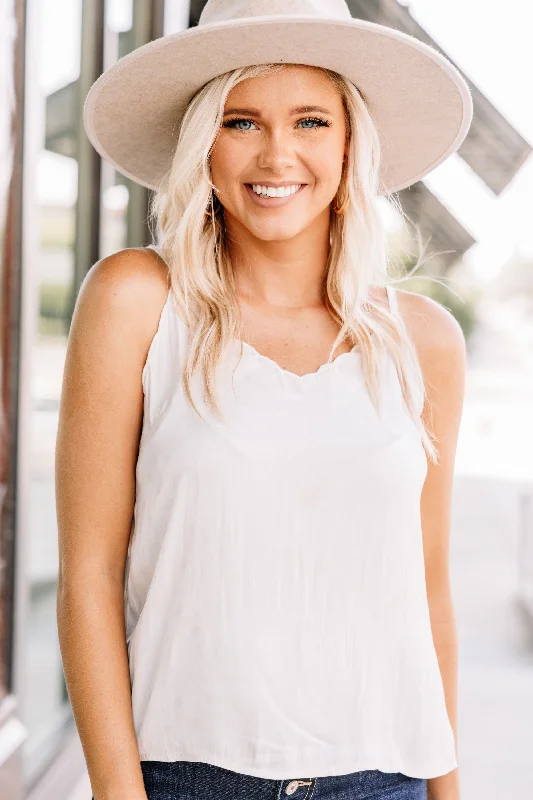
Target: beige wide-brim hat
420, 103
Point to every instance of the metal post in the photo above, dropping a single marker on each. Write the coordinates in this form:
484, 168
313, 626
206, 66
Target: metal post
87, 244
148, 24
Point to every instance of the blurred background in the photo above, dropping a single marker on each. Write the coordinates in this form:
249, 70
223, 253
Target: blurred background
62, 208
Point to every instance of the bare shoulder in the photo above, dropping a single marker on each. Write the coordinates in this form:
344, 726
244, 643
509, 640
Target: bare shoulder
441, 348
434, 330
123, 291
133, 279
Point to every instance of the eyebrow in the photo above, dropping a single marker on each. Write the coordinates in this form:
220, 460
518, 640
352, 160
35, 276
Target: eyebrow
254, 112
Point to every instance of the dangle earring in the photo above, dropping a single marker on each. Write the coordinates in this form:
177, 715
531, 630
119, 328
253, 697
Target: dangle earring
213, 204
341, 209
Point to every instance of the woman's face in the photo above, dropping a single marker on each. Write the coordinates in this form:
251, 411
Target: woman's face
282, 134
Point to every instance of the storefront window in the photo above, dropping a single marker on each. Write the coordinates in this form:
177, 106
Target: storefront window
9, 233
46, 706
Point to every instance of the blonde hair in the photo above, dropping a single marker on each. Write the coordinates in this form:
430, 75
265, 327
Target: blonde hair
191, 239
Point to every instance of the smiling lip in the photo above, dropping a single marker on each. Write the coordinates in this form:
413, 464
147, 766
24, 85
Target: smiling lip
273, 202
275, 185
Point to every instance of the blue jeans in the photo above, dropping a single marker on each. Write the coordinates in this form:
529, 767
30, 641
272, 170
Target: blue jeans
196, 780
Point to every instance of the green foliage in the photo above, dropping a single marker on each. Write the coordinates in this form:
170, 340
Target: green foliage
53, 309
53, 300
433, 279
458, 302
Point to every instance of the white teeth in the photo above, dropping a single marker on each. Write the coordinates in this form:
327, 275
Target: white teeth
272, 191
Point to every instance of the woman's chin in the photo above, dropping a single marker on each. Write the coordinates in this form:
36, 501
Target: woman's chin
280, 228
276, 233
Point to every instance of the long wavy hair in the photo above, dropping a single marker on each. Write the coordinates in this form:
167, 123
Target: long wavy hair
191, 238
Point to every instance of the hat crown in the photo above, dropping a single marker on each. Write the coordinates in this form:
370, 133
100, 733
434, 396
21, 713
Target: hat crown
232, 10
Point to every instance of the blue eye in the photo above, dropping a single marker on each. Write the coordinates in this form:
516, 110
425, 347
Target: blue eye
315, 121
236, 123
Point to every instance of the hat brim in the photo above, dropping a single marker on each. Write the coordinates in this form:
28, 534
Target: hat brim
419, 101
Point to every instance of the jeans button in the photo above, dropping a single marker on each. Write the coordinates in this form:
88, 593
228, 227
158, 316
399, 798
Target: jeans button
291, 787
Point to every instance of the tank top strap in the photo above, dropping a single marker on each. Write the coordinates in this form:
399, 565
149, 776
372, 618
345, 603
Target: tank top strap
161, 373
393, 298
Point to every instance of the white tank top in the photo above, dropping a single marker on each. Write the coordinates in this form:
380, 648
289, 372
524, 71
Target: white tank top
276, 610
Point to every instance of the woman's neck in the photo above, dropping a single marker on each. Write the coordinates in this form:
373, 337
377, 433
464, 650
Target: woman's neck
286, 272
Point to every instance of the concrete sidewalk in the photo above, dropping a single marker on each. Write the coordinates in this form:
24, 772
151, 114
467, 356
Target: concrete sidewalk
495, 729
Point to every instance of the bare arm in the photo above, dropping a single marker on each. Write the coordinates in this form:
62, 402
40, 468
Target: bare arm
441, 349
100, 419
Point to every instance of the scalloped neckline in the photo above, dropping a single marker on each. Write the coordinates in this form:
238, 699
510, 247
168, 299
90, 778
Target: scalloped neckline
322, 368
355, 350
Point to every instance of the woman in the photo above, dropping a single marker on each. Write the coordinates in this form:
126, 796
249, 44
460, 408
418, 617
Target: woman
257, 431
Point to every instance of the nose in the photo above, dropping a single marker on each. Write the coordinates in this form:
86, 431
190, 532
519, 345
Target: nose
277, 152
